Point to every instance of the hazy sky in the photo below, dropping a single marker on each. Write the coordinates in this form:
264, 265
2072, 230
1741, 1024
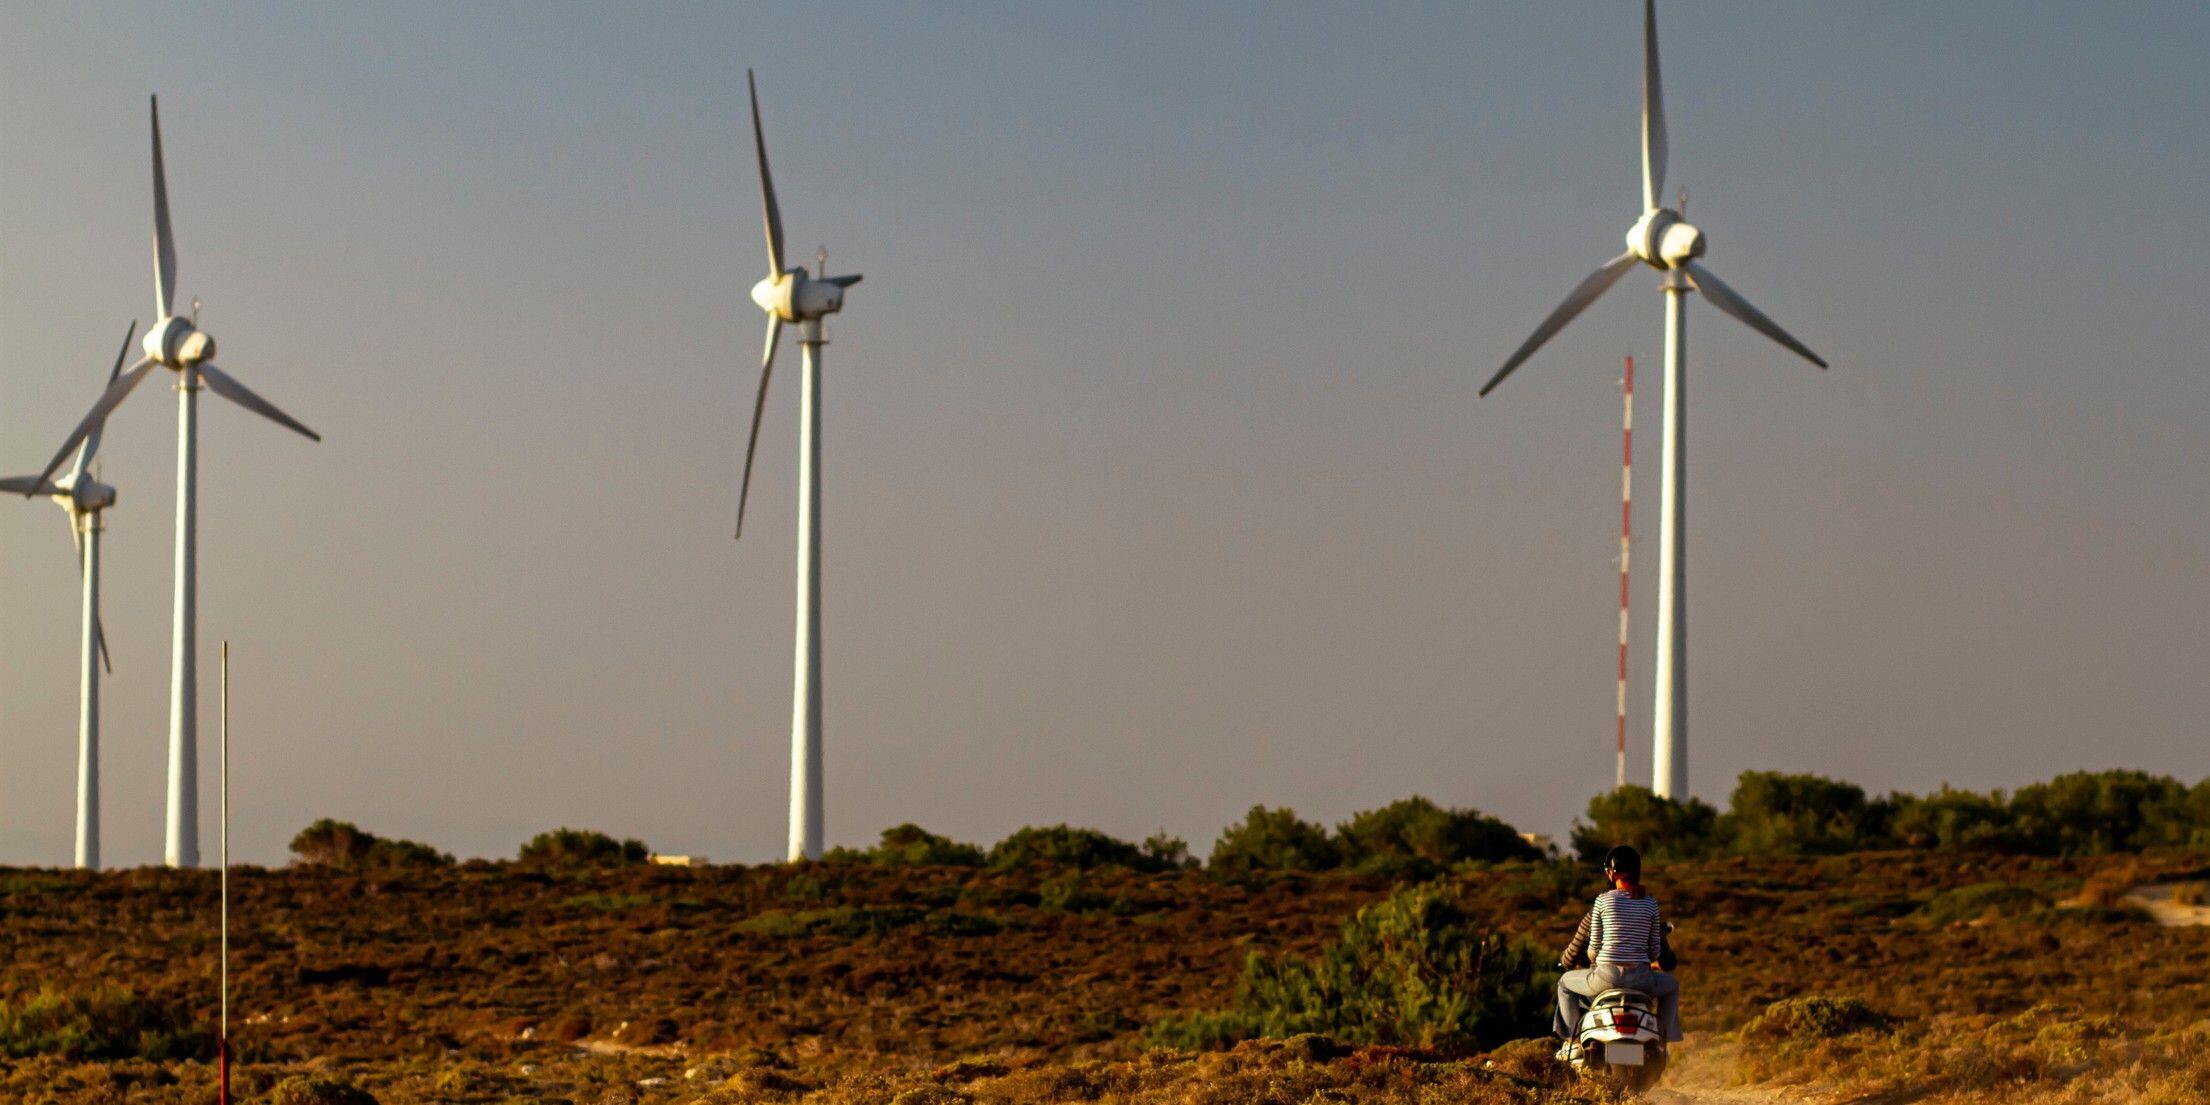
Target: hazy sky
1157, 485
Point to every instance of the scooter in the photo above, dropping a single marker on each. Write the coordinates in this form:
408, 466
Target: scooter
1621, 1041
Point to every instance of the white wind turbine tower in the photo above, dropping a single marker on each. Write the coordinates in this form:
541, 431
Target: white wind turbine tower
179, 345
1663, 239
791, 295
84, 497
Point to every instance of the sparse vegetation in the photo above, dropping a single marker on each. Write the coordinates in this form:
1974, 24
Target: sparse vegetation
107, 1022
346, 847
1066, 846
1659, 828
2011, 977
1415, 837
1777, 814
1981, 901
2086, 813
565, 847
1273, 840
1414, 970
309, 1090
910, 845
1814, 1017
1412, 838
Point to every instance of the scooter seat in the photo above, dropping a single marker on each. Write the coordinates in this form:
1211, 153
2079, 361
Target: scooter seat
1624, 998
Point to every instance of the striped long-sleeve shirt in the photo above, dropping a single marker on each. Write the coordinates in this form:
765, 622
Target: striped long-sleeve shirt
1620, 928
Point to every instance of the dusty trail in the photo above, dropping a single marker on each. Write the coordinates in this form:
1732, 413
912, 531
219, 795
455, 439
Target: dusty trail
1704, 1075
2164, 904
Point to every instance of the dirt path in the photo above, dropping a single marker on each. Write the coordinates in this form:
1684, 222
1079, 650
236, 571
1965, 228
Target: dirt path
2162, 903
1703, 1074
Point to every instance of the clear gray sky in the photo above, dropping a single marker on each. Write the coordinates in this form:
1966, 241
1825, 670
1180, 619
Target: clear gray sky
1157, 484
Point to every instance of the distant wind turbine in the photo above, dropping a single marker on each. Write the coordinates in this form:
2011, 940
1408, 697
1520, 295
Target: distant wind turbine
84, 497
179, 345
1663, 239
791, 295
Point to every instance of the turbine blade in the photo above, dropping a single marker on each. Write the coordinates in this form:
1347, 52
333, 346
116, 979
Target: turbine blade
115, 394
164, 245
99, 633
767, 184
1653, 111
1725, 299
759, 408
1597, 284
28, 486
227, 386
91, 447
841, 281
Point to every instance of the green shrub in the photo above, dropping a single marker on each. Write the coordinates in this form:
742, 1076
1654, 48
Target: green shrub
2198, 815
1413, 835
910, 845
1413, 970
1814, 1017
1169, 852
1953, 821
347, 847
1065, 846
2099, 812
1775, 814
1984, 901
109, 1022
564, 847
1273, 840
1659, 828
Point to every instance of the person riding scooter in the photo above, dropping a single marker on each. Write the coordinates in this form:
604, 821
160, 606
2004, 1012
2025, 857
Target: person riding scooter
1620, 941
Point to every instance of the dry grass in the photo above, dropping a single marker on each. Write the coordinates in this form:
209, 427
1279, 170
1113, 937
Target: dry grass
640, 986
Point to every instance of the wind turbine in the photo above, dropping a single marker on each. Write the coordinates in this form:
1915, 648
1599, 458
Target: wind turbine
1664, 240
178, 344
83, 496
792, 295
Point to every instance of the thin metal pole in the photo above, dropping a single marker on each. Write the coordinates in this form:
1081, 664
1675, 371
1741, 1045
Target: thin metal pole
223, 1045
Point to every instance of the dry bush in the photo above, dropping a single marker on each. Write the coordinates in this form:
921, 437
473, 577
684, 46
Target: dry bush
475, 983
2107, 887
305, 1090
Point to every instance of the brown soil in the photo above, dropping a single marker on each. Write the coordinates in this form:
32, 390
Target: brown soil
642, 985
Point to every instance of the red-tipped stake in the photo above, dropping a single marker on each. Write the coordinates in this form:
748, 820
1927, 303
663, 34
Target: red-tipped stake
1626, 530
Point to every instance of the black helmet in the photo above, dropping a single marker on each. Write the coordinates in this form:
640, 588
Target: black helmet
1623, 860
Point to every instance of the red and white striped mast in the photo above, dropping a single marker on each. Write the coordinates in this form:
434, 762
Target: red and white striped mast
1626, 531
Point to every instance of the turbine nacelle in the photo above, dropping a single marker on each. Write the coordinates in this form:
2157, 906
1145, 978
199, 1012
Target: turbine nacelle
1663, 239
83, 494
796, 297
175, 342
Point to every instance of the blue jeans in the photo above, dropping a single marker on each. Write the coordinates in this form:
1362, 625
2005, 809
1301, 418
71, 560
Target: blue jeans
1575, 988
